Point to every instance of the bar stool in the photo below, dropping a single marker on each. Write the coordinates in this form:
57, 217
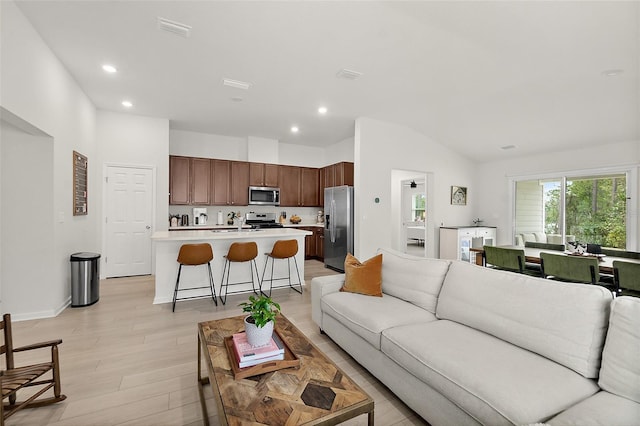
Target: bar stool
282, 249
239, 252
194, 255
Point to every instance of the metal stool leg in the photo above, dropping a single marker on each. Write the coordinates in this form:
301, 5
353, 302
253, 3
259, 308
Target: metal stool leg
175, 291
299, 280
253, 287
212, 284
224, 287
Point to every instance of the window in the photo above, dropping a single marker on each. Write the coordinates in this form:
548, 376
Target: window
586, 208
418, 204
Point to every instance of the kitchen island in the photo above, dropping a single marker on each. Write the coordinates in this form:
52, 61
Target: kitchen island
167, 245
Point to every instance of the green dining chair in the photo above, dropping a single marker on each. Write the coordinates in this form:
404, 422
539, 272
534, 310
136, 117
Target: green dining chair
569, 268
627, 278
507, 259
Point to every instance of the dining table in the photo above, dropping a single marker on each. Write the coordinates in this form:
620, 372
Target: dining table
532, 255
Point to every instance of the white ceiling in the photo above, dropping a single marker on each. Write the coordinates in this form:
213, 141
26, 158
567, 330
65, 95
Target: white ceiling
473, 76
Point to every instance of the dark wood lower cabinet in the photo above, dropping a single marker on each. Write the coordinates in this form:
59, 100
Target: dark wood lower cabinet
314, 243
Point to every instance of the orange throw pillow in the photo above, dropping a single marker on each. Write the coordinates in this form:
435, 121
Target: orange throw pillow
363, 278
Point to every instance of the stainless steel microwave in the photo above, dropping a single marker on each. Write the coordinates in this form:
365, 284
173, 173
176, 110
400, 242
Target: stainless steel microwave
263, 195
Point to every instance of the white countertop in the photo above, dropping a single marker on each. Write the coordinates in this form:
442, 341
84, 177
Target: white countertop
246, 233
205, 227
303, 225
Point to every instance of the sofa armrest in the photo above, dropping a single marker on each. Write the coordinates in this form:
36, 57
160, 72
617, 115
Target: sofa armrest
319, 287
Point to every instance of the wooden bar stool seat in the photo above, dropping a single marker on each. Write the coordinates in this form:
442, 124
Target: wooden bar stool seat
239, 253
282, 249
194, 255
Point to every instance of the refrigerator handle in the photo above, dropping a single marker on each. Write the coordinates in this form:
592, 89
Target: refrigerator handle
333, 222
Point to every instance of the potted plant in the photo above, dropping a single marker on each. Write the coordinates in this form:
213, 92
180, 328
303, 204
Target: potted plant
262, 316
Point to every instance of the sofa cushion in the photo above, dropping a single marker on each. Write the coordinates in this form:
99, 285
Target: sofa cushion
493, 381
368, 316
620, 372
601, 409
541, 237
363, 277
529, 236
417, 280
536, 314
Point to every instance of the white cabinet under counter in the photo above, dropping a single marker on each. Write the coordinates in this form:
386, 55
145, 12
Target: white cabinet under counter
456, 241
167, 245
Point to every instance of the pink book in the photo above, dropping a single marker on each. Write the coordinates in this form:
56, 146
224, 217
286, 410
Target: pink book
246, 352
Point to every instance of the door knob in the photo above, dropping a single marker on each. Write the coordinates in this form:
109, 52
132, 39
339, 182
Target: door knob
148, 227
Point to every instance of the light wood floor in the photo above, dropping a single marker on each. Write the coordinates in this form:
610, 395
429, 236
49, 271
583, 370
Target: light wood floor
125, 361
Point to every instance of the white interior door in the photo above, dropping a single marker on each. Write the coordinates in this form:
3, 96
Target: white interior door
129, 207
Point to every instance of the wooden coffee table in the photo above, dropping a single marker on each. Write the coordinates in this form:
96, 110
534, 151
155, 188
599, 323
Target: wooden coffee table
316, 393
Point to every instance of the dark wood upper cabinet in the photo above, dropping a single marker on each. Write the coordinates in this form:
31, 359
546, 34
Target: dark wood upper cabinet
239, 183
179, 176
200, 181
220, 182
204, 181
262, 174
309, 187
289, 181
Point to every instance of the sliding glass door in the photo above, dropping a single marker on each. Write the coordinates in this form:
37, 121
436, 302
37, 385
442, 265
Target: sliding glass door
584, 208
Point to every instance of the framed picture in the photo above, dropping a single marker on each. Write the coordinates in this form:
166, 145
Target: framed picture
458, 195
80, 164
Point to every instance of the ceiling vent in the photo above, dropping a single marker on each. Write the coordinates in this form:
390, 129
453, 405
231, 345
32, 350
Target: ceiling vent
349, 74
237, 84
174, 27
507, 147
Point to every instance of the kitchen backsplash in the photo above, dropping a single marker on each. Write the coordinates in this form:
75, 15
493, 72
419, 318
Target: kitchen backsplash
308, 214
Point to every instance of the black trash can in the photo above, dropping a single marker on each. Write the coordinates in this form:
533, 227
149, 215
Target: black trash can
85, 279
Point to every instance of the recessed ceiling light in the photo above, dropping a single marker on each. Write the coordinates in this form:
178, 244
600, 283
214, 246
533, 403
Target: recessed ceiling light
612, 73
294, 129
109, 68
322, 110
127, 104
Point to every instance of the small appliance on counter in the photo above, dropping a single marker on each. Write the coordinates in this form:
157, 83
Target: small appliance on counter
184, 220
320, 218
220, 220
199, 215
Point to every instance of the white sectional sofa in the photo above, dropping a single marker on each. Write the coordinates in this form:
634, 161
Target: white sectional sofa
466, 345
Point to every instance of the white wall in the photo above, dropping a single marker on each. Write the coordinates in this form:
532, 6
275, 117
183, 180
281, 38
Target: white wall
27, 192
262, 150
493, 178
251, 148
381, 147
194, 144
338, 152
131, 140
38, 89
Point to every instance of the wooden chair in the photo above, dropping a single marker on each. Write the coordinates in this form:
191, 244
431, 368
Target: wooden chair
626, 278
13, 378
282, 249
569, 268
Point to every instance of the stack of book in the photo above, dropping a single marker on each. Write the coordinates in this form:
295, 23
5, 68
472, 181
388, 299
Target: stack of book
248, 355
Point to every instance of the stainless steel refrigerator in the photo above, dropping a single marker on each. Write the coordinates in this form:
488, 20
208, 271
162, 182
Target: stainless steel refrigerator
338, 226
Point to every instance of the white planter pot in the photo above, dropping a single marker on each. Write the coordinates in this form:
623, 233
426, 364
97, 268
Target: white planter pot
258, 336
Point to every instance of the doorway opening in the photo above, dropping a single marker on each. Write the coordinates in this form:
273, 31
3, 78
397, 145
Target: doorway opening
411, 218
